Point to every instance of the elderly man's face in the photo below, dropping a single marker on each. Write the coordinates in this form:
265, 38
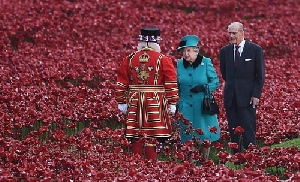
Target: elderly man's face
189, 54
236, 36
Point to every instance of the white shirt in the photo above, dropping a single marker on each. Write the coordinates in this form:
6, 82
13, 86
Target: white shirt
241, 48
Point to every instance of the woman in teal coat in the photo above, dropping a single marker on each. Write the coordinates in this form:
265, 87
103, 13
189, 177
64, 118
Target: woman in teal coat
194, 72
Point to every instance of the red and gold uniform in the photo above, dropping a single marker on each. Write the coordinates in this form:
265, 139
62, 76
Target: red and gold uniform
147, 83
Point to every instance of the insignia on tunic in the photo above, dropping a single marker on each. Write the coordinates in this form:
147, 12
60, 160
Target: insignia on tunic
142, 73
150, 68
144, 58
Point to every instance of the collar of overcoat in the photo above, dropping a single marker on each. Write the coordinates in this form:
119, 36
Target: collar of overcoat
195, 64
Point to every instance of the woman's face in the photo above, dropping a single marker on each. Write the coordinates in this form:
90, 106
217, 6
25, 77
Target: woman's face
189, 54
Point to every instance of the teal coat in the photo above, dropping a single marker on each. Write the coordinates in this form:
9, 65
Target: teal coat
201, 72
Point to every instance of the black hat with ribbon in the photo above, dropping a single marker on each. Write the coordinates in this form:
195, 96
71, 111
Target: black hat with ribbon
150, 35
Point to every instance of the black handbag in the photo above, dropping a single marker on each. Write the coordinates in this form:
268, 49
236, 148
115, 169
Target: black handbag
209, 105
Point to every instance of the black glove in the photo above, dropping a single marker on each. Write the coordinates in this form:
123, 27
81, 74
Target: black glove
198, 88
177, 109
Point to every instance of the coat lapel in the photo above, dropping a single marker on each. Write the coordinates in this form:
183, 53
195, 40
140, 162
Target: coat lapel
245, 50
230, 55
243, 55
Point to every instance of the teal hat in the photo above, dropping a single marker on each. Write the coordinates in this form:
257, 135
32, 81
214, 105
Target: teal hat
188, 41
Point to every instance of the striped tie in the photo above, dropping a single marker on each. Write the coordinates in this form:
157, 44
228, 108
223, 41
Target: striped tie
237, 54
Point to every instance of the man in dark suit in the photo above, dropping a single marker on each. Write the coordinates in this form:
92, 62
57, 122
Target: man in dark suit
243, 69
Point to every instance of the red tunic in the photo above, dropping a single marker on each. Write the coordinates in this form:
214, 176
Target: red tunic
147, 82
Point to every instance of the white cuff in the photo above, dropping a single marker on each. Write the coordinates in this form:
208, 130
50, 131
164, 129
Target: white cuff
172, 109
122, 107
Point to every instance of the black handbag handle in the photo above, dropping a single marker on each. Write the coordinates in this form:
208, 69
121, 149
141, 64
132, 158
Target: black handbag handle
207, 92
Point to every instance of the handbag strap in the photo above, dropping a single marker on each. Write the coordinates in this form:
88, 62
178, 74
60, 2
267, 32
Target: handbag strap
207, 91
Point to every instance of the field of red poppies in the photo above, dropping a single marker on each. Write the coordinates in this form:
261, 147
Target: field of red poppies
58, 115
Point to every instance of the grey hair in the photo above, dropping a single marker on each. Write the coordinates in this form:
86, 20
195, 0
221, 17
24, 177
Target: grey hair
196, 49
238, 24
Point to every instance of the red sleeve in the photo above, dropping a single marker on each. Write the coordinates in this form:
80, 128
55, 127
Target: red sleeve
170, 80
123, 80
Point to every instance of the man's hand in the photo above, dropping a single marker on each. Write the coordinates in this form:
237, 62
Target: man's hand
172, 109
254, 102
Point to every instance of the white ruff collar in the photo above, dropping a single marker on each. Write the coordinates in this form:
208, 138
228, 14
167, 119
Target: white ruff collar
153, 45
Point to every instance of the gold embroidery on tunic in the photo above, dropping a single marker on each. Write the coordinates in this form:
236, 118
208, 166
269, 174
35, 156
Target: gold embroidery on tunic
142, 73
144, 58
147, 48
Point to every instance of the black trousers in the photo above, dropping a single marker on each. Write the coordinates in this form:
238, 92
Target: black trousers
244, 117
